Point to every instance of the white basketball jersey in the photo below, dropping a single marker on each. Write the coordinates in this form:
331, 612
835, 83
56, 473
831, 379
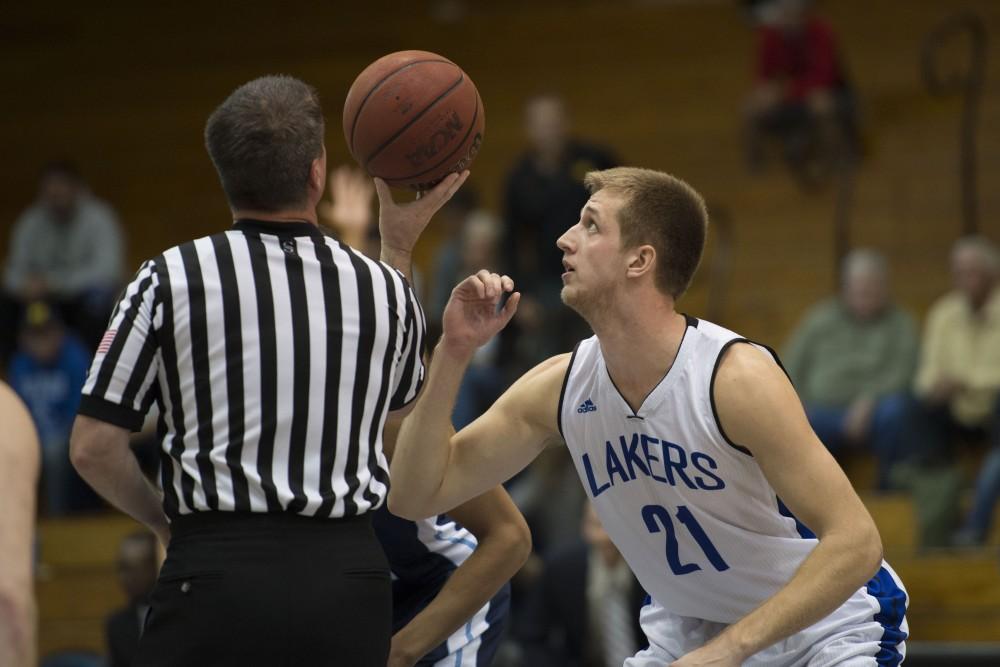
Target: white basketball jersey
691, 512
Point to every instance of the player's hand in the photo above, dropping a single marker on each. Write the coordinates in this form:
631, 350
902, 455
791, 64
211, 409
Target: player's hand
397, 658
400, 225
349, 210
720, 652
473, 316
706, 656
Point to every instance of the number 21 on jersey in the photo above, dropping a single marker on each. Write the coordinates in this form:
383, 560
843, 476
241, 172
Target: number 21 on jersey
657, 518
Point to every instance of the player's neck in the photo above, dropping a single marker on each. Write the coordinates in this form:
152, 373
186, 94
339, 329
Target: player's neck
639, 347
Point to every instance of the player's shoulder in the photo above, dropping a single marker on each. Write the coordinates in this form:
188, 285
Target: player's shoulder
746, 368
534, 397
549, 373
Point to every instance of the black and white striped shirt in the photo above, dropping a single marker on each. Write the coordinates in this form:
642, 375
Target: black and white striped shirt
273, 353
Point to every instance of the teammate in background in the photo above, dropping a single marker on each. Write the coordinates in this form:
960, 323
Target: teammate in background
684, 435
19, 463
450, 573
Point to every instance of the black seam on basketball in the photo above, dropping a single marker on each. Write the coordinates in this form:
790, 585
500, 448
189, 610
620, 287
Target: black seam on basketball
378, 84
472, 125
413, 120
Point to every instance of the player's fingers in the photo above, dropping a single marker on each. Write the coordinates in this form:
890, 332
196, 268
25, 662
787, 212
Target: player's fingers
484, 278
510, 308
492, 282
471, 285
496, 286
507, 283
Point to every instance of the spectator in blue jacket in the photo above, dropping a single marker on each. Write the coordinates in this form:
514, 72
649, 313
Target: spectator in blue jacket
47, 371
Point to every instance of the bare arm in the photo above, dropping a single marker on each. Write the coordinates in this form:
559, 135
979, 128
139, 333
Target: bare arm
504, 544
19, 451
433, 469
759, 409
100, 453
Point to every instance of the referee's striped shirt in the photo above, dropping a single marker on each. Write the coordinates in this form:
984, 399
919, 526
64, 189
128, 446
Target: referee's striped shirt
273, 353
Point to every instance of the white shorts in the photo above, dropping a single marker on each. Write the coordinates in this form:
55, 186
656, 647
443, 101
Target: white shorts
869, 629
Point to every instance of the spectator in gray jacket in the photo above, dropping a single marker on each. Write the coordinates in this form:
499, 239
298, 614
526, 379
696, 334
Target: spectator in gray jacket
65, 248
852, 360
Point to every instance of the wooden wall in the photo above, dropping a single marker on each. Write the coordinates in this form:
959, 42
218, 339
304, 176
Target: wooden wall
125, 90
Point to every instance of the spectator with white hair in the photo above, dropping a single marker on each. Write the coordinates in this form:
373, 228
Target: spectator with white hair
852, 360
958, 381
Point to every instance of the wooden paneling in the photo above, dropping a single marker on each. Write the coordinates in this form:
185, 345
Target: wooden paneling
125, 89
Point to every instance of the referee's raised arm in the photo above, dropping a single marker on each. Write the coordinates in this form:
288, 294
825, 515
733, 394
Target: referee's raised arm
273, 354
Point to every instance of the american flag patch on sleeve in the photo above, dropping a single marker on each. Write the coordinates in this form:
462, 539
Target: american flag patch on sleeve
105, 344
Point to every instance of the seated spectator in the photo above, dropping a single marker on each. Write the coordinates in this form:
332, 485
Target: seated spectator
65, 248
958, 380
584, 611
48, 371
852, 360
137, 572
801, 96
543, 197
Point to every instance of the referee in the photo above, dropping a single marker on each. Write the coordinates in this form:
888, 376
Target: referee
274, 354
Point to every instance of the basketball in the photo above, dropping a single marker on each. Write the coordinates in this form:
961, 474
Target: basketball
413, 117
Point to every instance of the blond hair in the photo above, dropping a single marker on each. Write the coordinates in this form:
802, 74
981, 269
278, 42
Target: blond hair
664, 212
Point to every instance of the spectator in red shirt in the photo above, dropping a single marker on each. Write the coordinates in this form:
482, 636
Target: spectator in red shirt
801, 95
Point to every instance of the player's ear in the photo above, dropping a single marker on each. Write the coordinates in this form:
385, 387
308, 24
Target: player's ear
641, 260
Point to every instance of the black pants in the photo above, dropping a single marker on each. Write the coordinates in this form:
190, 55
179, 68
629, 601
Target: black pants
269, 590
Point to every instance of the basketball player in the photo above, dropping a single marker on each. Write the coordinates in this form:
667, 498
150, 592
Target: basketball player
19, 464
450, 573
689, 440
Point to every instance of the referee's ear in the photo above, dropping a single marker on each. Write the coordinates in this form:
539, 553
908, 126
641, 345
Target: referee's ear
317, 178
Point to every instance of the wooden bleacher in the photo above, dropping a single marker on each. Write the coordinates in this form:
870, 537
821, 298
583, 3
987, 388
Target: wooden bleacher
76, 581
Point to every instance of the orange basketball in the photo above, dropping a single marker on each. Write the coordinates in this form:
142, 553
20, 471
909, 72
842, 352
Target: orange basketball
413, 117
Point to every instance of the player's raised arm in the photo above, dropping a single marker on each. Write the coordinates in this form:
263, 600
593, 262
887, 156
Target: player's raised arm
433, 468
758, 409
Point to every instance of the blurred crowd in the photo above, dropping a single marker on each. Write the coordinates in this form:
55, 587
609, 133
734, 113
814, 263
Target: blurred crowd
873, 381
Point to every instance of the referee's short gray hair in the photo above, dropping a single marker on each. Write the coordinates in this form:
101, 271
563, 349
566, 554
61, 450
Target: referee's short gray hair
263, 140
984, 248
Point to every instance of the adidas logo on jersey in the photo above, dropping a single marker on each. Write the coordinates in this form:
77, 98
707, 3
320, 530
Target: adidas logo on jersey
586, 406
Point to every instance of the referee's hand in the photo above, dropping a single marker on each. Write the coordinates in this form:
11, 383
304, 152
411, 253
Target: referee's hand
400, 225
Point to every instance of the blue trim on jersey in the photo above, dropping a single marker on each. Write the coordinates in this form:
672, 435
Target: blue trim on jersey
802, 528
892, 609
439, 535
647, 600
489, 642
